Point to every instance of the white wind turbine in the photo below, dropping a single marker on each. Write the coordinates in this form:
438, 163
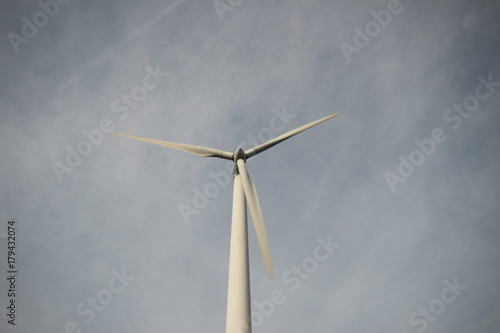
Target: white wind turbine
238, 319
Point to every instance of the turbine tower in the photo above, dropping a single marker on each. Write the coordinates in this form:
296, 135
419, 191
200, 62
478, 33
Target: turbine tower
238, 318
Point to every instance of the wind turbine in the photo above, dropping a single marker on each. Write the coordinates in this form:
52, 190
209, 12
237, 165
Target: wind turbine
238, 319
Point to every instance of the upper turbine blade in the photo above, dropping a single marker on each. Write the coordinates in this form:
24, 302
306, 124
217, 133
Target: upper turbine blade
256, 213
196, 150
260, 148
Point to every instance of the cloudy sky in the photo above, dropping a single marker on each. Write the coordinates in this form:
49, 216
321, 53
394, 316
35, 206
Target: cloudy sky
114, 235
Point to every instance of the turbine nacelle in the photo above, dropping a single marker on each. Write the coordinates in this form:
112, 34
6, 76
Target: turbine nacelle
239, 154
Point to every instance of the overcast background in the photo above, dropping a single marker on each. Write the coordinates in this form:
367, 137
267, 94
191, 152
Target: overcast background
228, 76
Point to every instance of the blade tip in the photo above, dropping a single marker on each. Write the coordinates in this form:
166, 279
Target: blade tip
270, 270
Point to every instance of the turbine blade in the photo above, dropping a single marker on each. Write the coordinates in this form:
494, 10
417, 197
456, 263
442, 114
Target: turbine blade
256, 213
196, 150
260, 148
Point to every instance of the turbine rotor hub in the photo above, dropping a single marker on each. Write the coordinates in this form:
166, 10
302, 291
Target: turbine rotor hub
239, 154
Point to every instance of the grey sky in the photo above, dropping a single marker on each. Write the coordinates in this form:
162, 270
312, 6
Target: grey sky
410, 222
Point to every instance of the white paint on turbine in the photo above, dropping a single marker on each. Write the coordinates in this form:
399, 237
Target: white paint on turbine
238, 300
